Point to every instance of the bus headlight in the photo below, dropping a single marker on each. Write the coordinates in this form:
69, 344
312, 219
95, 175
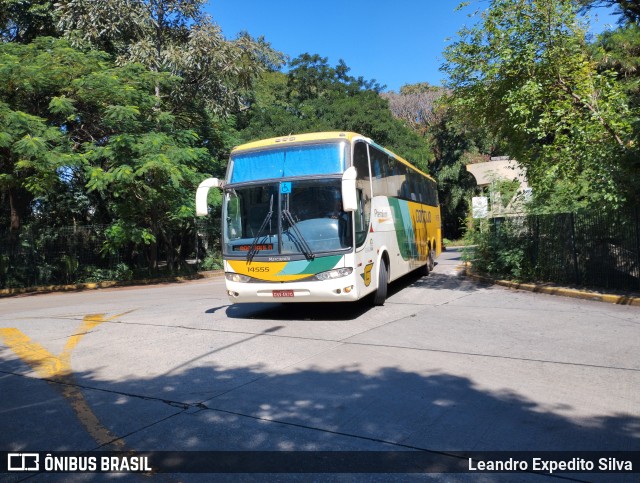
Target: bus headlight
236, 277
332, 274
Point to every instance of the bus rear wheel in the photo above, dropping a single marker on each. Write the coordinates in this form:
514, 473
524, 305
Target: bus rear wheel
380, 294
431, 263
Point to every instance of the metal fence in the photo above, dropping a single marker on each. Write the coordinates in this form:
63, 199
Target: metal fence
76, 254
591, 249
598, 249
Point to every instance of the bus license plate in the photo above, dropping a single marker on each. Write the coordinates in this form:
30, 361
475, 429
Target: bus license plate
283, 293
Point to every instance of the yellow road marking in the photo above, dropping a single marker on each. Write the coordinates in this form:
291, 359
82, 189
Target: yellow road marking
57, 369
40, 359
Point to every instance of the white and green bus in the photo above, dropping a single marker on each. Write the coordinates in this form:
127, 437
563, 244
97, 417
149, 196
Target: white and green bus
322, 217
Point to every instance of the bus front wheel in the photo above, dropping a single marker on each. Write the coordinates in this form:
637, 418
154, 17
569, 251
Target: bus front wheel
380, 294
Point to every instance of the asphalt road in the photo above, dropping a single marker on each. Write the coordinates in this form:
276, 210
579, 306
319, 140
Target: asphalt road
446, 365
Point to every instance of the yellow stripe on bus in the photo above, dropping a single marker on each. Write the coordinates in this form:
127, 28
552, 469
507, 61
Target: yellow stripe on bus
268, 271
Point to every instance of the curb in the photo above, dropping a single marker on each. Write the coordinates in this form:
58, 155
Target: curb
562, 291
9, 292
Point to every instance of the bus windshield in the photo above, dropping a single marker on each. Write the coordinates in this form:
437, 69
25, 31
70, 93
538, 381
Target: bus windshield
287, 161
290, 218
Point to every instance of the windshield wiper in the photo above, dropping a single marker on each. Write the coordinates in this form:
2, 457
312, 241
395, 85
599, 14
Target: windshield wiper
253, 249
306, 249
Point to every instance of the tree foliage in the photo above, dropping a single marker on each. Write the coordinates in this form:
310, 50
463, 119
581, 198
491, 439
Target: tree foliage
73, 119
526, 71
619, 51
628, 10
22, 21
119, 122
417, 105
314, 96
457, 142
172, 36
32, 147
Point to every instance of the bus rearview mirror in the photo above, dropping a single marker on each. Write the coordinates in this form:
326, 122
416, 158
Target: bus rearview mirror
349, 194
203, 192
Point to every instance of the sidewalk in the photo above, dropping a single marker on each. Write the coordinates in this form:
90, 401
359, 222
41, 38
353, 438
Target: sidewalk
10, 292
552, 289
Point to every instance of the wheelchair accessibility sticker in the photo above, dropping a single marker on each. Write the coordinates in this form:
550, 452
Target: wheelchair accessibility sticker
285, 188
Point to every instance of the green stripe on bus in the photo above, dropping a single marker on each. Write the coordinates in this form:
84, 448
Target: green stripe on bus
304, 267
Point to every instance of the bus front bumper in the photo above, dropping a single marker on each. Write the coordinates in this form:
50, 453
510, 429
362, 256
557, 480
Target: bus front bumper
338, 290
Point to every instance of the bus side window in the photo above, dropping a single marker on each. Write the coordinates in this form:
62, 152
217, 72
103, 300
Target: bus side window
379, 171
234, 220
432, 193
401, 182
363, 186
392, 176
422, 196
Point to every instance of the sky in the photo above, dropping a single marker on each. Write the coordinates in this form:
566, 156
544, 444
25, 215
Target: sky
396, 42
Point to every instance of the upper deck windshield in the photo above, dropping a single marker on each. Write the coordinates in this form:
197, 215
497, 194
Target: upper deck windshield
290, 218
287, 161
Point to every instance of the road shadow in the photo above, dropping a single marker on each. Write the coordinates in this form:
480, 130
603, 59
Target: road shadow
324, 311
347, 407
437, 281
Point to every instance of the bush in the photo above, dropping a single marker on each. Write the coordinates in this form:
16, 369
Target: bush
212, 262
92, 274
499, 247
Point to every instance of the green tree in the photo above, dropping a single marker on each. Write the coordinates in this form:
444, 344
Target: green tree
22, 21
526, 72
619, 50
139, 157
628, 10
314, 96
29, 156
33, 148
457, 142
172, 36
73, 122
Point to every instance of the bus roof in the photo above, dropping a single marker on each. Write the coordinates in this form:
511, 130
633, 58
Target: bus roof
319, 136
296, 138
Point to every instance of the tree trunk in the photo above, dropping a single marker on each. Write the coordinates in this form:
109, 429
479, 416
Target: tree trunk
18, 206
153, 256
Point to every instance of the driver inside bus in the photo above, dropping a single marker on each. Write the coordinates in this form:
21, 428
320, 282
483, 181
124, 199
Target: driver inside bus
337, 213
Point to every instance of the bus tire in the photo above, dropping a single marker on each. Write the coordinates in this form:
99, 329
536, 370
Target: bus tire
380, 294
430, 261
